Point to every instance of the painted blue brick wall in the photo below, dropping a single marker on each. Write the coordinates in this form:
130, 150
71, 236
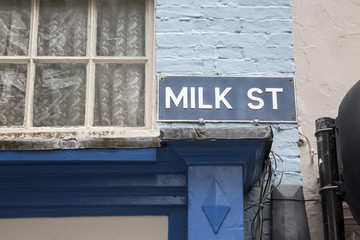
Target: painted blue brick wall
224, 37
232, 37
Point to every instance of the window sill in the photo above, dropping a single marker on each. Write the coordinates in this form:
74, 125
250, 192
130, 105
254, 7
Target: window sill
52, 139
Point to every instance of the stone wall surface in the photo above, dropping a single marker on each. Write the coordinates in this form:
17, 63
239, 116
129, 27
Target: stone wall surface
327, 57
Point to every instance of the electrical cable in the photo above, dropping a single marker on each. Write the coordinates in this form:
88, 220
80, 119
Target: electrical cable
265, 192
275, 170
311, 154
264, 189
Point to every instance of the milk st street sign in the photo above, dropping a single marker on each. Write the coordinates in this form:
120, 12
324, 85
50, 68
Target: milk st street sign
189, 98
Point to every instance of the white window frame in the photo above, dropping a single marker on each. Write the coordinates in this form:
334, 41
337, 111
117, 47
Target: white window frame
88, 130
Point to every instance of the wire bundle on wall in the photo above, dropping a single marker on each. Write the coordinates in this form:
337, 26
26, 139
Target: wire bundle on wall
265, 192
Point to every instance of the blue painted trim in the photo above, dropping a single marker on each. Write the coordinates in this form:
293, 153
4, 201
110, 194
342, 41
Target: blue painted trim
248, 153
216, 207
145, 155
149, 181
226, 219
97, 188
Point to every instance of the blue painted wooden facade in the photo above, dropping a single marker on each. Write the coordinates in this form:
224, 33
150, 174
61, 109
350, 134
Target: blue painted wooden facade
191, 179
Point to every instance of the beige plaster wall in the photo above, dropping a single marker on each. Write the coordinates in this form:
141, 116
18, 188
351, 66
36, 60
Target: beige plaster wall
89, 228
327, 63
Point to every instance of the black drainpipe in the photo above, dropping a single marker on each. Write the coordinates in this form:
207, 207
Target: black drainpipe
331, 201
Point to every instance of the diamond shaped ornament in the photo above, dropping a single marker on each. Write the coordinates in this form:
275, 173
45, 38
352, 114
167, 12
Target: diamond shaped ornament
216, 207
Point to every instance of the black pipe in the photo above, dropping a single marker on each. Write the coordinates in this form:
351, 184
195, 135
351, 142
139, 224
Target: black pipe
332, 210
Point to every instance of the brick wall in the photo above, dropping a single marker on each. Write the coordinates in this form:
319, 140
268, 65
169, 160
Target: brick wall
239, 38
224, 37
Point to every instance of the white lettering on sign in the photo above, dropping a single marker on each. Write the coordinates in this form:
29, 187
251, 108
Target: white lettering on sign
221, 98
260, 104
260, 101
274, 92
254, 94
183, 96
192, 97
201, 99
170, 95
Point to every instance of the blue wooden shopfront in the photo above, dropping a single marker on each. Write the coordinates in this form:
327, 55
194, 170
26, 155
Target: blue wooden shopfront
195, 176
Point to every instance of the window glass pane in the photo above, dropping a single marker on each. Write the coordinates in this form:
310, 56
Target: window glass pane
59, 97
120, 28
12, 94
119, 95
14, 27
62, 28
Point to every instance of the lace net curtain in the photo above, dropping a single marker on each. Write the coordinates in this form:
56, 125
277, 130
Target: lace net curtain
60, 94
